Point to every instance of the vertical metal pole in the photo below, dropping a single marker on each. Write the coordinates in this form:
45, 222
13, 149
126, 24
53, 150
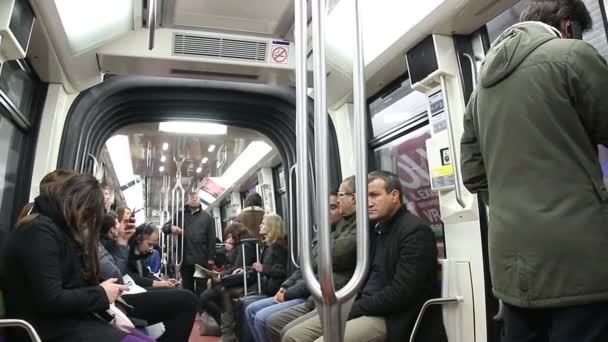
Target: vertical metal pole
244, 269
334, 308
257, 257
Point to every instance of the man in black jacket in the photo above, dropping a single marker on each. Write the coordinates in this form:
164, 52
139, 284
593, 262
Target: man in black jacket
198, 230
403, 275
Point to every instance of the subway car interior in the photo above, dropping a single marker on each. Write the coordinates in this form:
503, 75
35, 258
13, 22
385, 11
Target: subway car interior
161, 99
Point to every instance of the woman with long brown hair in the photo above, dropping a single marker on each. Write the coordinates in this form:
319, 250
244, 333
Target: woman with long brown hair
50, 266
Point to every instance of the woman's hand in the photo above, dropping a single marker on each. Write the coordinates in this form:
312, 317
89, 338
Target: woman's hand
258, 267
113, 290
163, 284
237, 271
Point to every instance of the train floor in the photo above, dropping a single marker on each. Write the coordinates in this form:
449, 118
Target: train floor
195, 335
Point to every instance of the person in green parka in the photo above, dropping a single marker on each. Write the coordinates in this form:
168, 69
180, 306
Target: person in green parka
530, 150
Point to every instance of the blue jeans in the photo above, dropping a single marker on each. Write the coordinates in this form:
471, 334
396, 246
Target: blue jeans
259, 312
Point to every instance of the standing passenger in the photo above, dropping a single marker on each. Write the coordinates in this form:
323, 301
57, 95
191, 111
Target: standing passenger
199, 237
529, 149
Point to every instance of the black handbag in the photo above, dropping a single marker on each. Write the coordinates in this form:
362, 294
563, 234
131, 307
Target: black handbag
238, 280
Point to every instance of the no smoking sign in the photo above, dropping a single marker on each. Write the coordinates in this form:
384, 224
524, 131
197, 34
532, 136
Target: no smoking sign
279, 52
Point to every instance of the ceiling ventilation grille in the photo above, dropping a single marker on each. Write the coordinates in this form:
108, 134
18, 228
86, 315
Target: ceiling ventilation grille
194, 45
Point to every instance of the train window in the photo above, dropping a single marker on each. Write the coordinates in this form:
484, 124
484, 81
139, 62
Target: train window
396, 108
18, 86
406, 156
11, 148
509, 17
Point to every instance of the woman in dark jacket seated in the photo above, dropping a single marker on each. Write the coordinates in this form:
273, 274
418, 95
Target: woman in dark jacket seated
176, 308
272, 270
211, 298
49, 267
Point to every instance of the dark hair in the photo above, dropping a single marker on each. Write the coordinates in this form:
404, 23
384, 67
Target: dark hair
350, 184
391, 182
109, 221
333, 192
253, 200
79, 198
237, 231
552, 12
142, 232
27, 214
55, 176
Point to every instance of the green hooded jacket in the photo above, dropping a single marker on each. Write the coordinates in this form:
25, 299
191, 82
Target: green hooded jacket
529, 149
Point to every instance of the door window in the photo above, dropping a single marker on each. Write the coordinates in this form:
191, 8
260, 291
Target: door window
406, 156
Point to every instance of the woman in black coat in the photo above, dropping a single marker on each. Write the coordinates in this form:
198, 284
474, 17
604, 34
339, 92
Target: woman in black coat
49, 271
271, 268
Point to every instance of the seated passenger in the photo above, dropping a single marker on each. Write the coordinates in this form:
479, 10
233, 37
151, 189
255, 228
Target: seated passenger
344, 256
293, 291
211, 298
49, 268
272, 270
141, 245
403, 275
173, 307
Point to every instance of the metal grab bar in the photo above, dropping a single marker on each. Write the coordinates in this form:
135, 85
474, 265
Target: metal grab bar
151, 23
164, 215
335, 307
501, 311
7, 323
427, 304
452, 143
178, 199
257, 257
292, 216
473, 68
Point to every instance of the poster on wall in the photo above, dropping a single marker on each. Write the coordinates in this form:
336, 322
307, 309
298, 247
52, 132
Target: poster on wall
412, 169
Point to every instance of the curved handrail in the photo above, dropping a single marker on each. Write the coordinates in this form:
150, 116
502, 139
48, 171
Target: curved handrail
501, 311
178, 196
6, 323
292, 216
452, 143
333, 313
426, 305
473, 68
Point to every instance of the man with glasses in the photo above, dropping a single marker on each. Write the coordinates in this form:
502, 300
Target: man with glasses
344, 260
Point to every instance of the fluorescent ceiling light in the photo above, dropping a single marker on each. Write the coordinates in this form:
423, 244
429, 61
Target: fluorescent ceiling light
211, 148
120, 154
192, 127
165, 146
247, 160
163, 159
205, 160
161, 169
88, 23
199, 169
384, 22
